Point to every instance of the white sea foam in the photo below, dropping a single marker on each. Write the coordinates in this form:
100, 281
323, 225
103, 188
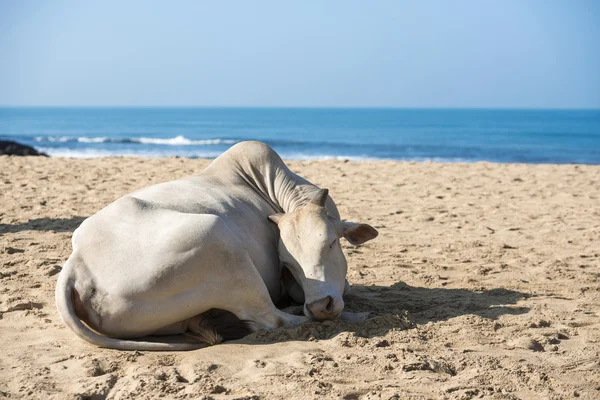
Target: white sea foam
52, 138
97, 153
84, 153
92, 139
182, 141
165, 152
174, 141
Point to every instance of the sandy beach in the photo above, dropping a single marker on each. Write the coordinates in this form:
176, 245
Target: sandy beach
485, 282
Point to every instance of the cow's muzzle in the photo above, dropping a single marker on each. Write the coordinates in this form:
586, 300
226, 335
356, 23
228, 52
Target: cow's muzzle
326, 308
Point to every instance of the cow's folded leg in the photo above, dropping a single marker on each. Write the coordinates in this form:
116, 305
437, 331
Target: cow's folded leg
250, 301
256, 307
294, 310
267, 316
290, 320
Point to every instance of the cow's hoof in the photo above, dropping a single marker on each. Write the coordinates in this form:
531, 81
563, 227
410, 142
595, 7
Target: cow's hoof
356, 317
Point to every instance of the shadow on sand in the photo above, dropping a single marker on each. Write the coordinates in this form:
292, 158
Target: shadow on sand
43, 224
434, 304
399, 307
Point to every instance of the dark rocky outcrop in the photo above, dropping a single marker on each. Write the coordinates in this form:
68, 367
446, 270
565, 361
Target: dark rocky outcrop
10, 148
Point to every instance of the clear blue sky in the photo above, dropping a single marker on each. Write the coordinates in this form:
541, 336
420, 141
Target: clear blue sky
510, 53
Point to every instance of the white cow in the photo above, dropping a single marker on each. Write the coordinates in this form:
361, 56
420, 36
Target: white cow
161, 260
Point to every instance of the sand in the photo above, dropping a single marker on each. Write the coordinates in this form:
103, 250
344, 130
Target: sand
485, 281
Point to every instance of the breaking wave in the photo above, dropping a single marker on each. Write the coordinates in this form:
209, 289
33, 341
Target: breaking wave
174, 141
183, 141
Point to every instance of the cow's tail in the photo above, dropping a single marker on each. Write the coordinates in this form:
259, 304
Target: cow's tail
66, 310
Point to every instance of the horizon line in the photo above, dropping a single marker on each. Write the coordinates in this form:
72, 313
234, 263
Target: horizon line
482, 108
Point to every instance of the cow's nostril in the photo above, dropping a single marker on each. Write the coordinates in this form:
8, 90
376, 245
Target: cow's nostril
330, 304
322, 309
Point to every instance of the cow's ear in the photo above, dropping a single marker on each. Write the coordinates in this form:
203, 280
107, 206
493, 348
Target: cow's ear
320, 198
276, 217
359, 233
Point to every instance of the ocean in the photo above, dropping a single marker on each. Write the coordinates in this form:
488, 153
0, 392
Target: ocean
447, 135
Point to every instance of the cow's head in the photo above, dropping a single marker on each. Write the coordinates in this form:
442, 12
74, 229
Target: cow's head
309, 246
